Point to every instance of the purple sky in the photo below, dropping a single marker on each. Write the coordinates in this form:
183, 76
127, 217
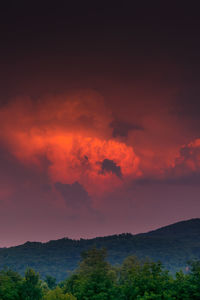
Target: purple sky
99, 119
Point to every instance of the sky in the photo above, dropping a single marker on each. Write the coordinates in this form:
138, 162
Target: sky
99, 118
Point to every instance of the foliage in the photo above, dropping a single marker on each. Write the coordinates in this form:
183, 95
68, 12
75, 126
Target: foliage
50, 281
10, 284
31, 287
96, 279
58, 294
144, 280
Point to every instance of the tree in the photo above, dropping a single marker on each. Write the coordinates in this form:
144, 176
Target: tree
58, 294
186, 286
193, 280
10, 283
31, 288
51, 282
144, 280
181, 286
94, 279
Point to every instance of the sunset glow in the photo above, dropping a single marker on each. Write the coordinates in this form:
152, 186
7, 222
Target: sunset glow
99, 119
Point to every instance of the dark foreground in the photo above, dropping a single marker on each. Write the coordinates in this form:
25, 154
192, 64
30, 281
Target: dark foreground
96, 279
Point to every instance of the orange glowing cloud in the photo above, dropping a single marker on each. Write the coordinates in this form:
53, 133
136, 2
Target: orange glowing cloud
72, 132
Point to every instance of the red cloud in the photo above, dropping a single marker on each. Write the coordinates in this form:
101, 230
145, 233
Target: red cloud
188, 160
72, 132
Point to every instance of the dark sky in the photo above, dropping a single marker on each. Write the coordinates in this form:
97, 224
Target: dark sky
99, 117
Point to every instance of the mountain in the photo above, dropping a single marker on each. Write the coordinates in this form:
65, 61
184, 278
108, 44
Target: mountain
173, 245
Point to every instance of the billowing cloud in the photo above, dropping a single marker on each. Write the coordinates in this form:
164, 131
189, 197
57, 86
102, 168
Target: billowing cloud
189, 158
62, 166
186, 166
68, 135
184, 169
73, 138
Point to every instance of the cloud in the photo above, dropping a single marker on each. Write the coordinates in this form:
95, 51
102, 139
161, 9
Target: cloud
121, 128
67, 136
74, 194
184, 169
188, 160
109, 165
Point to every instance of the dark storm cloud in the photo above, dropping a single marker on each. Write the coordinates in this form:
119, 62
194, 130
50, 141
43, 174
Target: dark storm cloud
45, 49
109, 165
74, 194
121, 128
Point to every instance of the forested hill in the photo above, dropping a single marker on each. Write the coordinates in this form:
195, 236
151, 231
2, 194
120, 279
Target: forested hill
173, 245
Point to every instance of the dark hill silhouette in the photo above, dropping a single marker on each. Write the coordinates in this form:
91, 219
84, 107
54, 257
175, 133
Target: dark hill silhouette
178, 230
173, 245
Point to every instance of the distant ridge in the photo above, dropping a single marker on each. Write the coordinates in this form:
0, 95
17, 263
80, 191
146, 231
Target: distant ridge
191, 226
173, 245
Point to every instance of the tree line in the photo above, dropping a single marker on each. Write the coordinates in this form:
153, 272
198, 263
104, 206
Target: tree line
96, 279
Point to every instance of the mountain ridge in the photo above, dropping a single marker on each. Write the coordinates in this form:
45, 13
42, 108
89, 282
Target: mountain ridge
173, 245
152, 232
